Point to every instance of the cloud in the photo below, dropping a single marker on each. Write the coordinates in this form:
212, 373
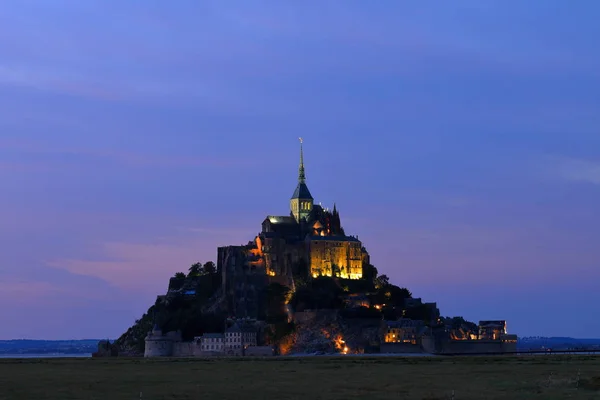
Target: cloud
146, 266
123, 157
28, 289
118, 66
578, 170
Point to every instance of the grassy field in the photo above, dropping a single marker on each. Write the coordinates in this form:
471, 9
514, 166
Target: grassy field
541, 377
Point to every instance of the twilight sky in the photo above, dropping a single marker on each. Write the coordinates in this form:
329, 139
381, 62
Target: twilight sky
460, 140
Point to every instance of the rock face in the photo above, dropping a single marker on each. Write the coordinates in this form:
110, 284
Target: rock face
106, 349
132, 342
243, 283
326, 331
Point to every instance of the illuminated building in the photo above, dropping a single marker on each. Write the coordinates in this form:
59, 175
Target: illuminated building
309, 242
403, 331
310, 235
492, 330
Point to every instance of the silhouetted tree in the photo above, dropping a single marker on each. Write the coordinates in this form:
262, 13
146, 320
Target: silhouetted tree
381, 281
276, 296
176, 282
300, 271
195, 269
322, 293
369, 272
335, 270
210, 267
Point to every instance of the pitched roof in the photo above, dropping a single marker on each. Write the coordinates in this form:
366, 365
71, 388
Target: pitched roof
282, 219
212, 335
302, 192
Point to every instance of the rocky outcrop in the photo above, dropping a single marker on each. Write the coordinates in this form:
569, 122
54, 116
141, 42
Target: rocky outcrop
132, 342
243, 283
326, 331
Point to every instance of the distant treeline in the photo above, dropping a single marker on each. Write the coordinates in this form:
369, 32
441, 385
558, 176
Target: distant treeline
556, 343
23, 346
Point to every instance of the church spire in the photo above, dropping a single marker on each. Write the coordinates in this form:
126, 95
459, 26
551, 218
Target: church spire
301, 175
301, 203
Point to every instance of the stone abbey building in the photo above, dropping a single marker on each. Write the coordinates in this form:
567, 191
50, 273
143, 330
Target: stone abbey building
309, 242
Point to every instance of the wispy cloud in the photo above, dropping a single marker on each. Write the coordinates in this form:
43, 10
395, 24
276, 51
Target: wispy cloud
578, 170
48, 291
65, 83
128, 158
146, 266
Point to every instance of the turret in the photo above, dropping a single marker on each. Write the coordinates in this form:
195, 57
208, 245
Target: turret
336, 225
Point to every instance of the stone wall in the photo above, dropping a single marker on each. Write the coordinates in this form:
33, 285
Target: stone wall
167, 348
345, 254
259, 351
406, 348
186, 349
280, 258
242, 283
428, 344
158, 348
477, 347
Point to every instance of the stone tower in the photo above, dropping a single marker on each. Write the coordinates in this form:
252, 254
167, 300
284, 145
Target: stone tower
301, 203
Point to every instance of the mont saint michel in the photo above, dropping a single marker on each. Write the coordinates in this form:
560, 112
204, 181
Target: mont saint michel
432, 235
302, 285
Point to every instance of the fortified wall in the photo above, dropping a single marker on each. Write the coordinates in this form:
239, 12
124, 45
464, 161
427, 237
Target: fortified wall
401, 348
159, 345
478, 347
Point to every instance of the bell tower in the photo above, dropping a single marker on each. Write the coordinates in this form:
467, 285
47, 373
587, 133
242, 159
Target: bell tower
301, 203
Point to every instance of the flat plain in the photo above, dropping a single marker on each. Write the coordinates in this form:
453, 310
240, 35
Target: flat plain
484, 377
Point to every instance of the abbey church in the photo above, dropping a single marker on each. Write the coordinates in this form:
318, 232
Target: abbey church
308, 242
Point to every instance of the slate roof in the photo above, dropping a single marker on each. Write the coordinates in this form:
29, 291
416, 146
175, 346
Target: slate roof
213, 335
233, 328
302, 192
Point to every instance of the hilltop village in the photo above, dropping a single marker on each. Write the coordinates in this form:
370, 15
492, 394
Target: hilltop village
301, 286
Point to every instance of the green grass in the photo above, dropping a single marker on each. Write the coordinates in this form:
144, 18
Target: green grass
536, 377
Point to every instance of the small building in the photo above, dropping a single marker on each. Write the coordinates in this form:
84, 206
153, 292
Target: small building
492, 330
240, 336
403, 331
212, 342
233, 341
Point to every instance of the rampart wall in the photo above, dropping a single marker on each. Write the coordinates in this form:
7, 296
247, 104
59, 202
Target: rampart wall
158, 348
259, 351
186, 349
405, 348
477, 347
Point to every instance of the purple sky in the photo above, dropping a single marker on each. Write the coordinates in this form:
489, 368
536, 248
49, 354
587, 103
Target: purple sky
460, 140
